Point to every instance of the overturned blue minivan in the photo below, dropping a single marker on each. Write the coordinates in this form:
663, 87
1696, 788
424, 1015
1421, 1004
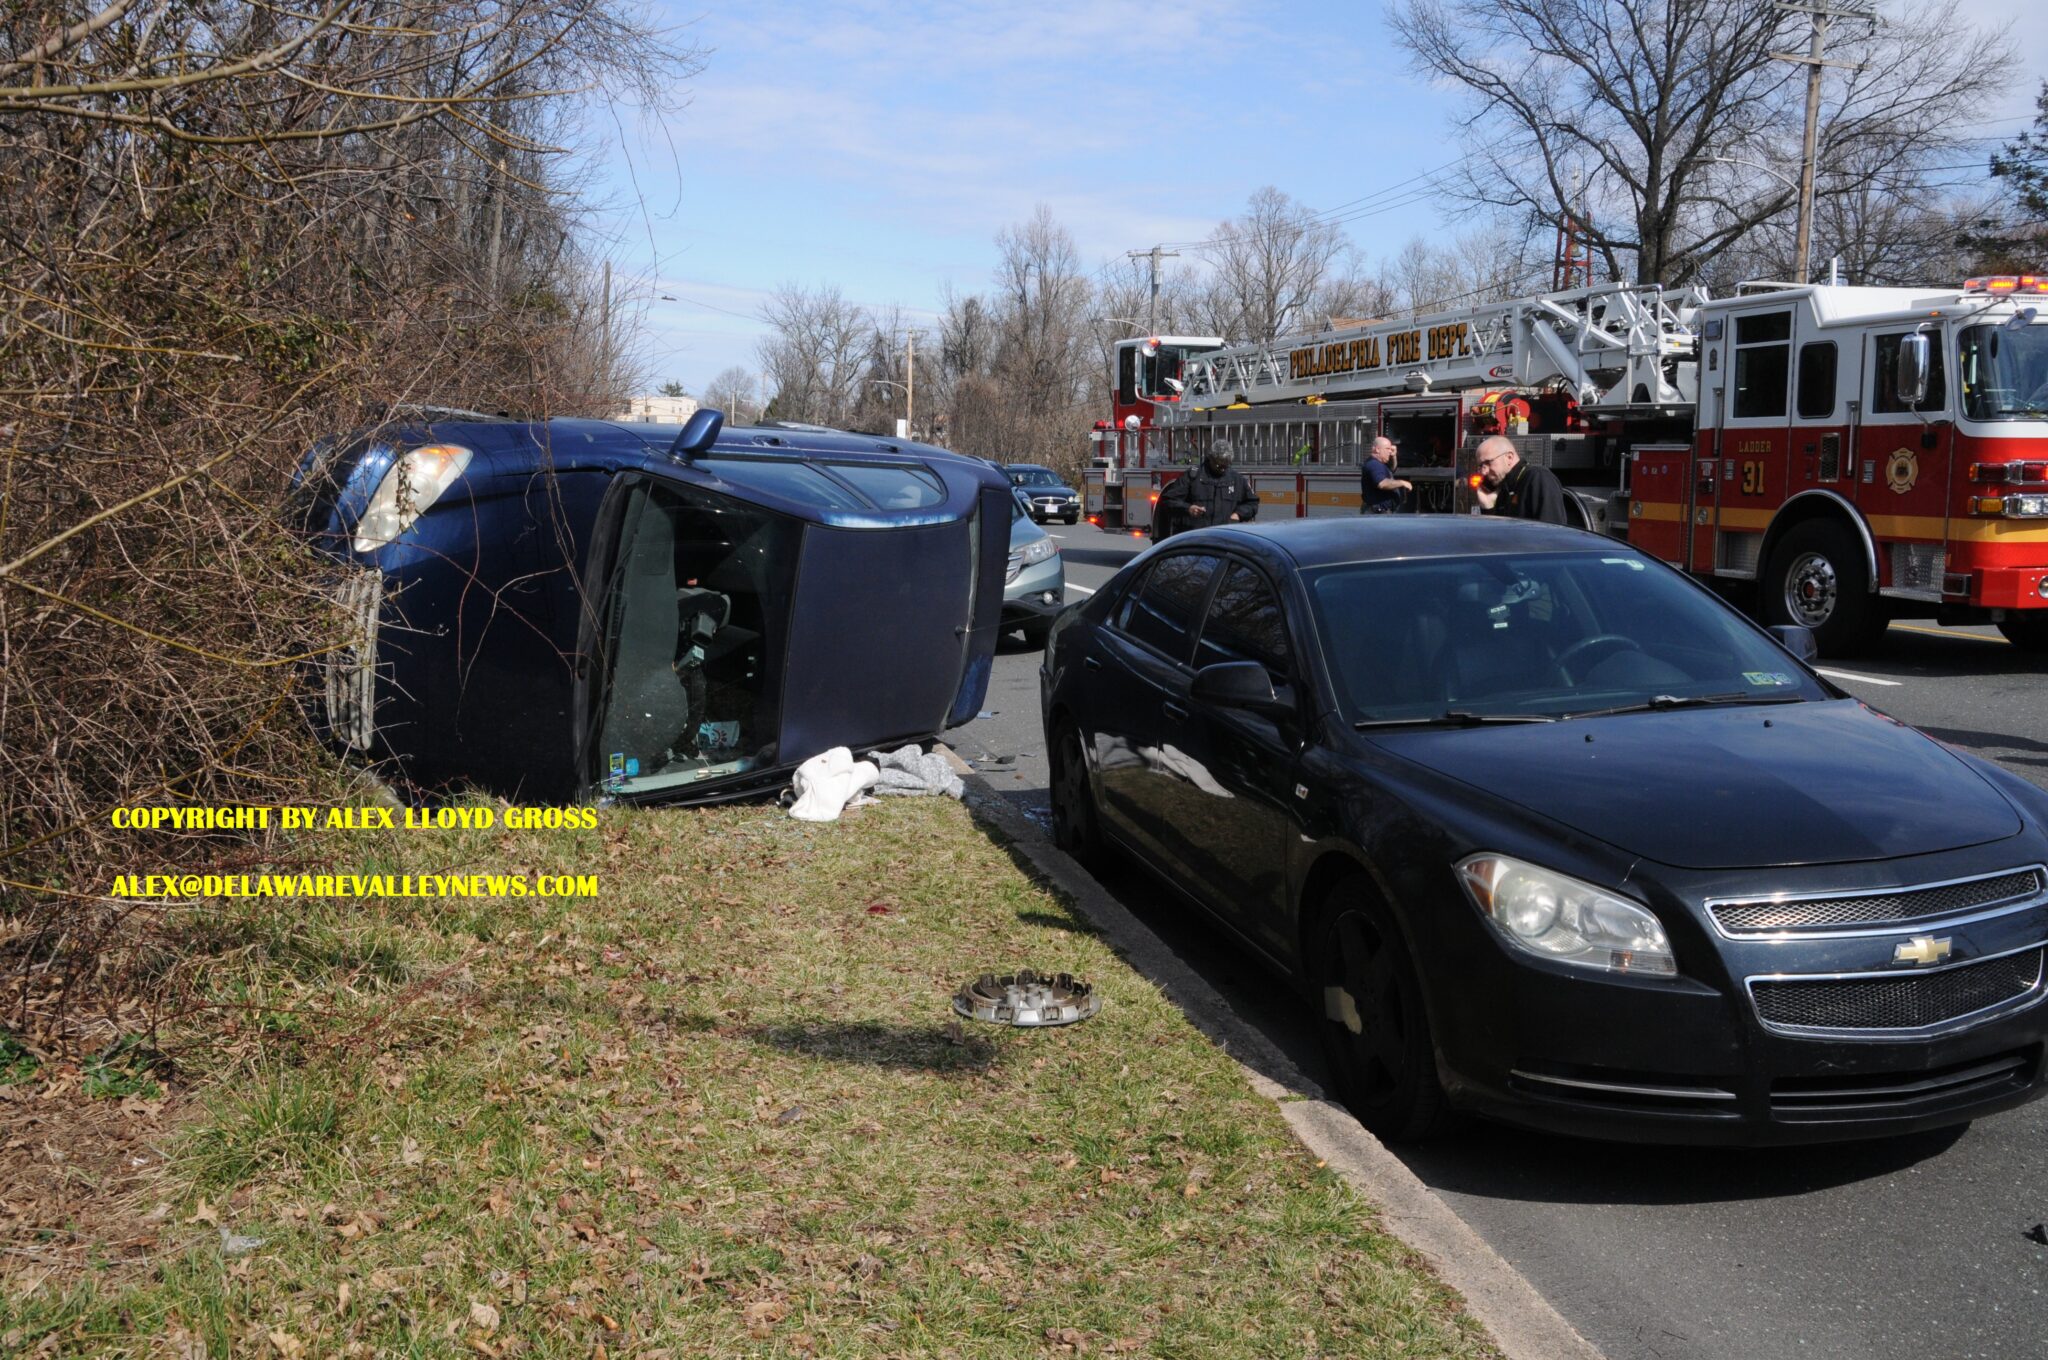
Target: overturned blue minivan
569, 608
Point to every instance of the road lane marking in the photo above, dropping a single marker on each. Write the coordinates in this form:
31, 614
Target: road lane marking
1950, 633
1852, 675
1085, 590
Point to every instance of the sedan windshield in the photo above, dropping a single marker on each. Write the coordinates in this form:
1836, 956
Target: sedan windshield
2004, 372
1548, 635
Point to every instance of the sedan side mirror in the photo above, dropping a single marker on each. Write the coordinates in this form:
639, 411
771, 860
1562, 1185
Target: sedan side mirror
1240, 684
1797, 639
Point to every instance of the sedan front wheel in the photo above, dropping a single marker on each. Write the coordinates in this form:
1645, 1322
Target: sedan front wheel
1375, 1031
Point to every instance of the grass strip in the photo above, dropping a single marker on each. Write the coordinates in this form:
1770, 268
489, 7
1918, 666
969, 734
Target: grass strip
722, 1109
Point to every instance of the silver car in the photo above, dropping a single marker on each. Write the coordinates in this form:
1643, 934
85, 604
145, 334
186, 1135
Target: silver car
1035, 581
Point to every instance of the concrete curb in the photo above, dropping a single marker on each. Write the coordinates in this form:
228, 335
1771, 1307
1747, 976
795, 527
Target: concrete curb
1520, 1320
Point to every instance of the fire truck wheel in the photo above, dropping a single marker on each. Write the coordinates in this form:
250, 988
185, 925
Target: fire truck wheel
1818, 577
1074, 828
1375, 1030
2028, 632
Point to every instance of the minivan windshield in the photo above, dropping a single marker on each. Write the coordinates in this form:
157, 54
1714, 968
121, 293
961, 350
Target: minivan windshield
2004, 372
1540, 636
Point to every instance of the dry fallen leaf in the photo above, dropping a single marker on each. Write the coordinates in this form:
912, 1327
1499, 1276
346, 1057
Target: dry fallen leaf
287, 1345
341, 1295
484, 1316
411, 1153
184, 1345
205, 1213
762, 1315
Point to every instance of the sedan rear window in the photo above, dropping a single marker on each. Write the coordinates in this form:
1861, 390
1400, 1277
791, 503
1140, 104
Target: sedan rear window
1163, 609
1545, 635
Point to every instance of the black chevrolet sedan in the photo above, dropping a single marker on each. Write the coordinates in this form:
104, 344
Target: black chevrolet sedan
1546, 832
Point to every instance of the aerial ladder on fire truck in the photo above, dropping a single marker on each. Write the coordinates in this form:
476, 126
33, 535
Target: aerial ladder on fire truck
1606, 347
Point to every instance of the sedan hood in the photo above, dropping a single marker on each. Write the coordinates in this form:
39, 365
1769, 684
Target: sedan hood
1724, 788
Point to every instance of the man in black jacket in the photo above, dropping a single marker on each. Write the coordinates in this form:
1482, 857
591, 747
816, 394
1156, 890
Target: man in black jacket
1508, 486
1212, 493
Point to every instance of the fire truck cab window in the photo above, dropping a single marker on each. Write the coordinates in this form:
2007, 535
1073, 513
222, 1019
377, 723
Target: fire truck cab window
1817, 380
1127, 375
1157, 368
2004, 373
1884, 394
1763, 362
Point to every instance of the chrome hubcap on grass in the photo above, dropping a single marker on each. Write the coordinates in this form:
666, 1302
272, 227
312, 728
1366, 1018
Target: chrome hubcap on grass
1811, 589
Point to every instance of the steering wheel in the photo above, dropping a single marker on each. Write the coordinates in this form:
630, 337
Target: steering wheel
1608, 643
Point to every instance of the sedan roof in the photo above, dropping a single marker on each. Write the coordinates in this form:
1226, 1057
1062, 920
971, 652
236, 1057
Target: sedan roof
1327, 540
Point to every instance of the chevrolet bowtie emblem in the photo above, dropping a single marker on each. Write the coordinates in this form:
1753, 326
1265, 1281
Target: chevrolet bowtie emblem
1921, 949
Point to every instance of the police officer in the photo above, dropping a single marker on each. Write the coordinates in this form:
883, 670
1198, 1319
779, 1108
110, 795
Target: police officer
1510, 487
1211, 493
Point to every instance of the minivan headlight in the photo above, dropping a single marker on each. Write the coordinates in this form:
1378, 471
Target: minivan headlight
1544, 913
414, 481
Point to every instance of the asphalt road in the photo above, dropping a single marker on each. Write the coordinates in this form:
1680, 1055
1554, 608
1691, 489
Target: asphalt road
1914, 1247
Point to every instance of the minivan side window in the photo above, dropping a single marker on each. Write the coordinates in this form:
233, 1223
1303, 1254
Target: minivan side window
1162, 611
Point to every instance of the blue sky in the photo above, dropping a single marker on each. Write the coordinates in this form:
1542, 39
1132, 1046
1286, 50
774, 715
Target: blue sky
881, 146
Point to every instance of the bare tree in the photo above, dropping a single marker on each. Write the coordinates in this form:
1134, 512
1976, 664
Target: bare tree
734, 392
1045, 356
1274, 267
816, 357
1660, 121
231, 227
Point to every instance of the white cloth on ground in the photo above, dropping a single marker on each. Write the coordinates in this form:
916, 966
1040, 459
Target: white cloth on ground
827, 782
911, 772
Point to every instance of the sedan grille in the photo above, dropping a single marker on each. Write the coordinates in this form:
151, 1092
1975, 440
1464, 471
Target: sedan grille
1897, 907
1908, 1002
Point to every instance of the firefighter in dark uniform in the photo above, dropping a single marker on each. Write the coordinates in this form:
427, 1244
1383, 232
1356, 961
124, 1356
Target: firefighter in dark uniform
1508, 486
1211, 493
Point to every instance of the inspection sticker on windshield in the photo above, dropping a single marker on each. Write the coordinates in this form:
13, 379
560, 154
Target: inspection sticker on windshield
1767, 677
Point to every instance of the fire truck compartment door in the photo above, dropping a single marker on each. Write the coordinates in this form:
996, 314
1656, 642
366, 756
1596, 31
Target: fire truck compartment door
1705, 505
1659, 506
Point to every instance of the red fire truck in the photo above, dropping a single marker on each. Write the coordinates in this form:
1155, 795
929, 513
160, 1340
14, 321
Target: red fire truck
1859, 454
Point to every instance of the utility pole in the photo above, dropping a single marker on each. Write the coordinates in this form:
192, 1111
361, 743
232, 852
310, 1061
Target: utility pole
909, 383
1814, 59
1155, 254
604, 325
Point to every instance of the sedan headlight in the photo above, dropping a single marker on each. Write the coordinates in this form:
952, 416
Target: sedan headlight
415, 480
1554, 917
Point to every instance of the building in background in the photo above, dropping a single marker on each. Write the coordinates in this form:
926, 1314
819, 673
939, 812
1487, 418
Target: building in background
664, 410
